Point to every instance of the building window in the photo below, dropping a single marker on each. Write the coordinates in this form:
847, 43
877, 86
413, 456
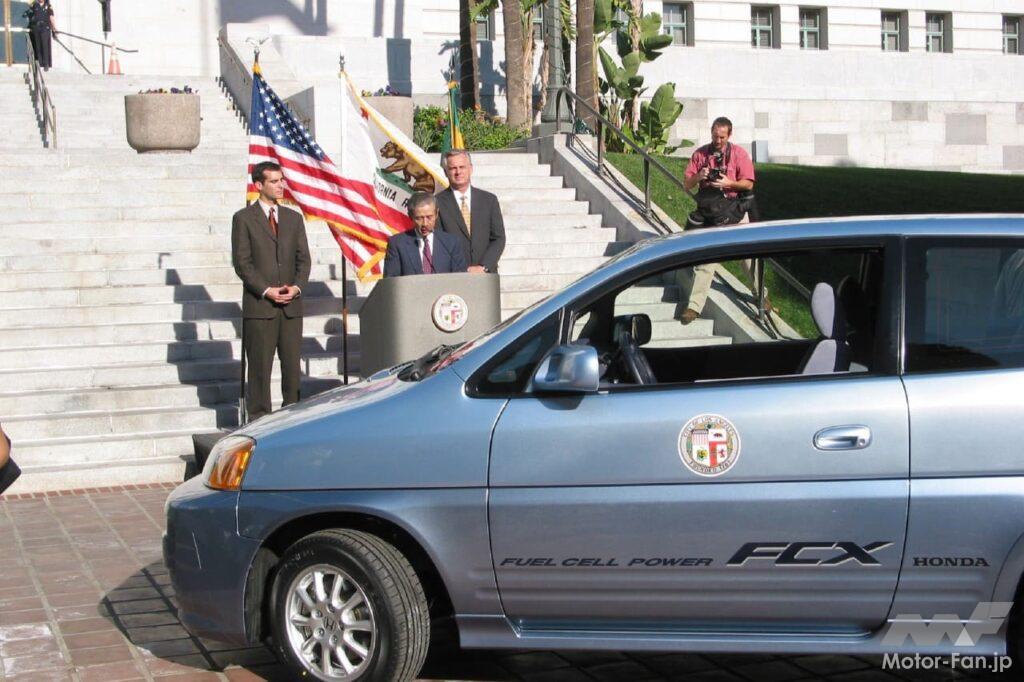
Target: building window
894, 31
813, 28
677, 22
485, 27
764, 26
1011, 35
938, 32
538, 23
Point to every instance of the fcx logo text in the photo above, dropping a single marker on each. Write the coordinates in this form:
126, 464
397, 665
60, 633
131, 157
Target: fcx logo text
789, 553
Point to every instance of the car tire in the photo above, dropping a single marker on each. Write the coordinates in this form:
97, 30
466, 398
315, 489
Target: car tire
349, 594
1015, 631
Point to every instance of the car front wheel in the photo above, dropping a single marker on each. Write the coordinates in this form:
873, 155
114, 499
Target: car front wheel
348, 606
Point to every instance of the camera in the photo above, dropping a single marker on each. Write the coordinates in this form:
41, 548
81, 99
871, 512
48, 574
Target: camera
718, 172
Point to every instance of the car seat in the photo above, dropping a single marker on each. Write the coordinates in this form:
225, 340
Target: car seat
831, 353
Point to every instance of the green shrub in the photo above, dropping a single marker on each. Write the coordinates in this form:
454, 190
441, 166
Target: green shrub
428, 124
480, 130
483, 131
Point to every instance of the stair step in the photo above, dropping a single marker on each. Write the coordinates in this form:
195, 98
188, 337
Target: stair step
54, 428
144, 182
221, 224
160, 331
223, 211
56, 464
140, 185
152, 312
686, 342
135, 397
78, 356
227, 193
321, 244
524, 231
133, 374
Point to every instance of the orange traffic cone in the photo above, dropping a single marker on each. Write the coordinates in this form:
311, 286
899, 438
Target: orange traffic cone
114, 66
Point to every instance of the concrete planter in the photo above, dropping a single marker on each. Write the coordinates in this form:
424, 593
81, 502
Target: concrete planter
398, 110
162, 122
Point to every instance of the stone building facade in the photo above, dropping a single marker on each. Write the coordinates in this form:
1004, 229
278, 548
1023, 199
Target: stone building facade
898, 83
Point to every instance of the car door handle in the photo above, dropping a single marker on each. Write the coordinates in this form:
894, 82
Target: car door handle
853, 437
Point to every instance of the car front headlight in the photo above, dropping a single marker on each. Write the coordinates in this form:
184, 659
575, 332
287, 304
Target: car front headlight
228, 461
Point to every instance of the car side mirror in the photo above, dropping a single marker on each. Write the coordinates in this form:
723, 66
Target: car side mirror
568, 369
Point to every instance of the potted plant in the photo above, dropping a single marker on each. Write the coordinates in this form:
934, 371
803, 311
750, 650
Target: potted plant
162, 120
393, 106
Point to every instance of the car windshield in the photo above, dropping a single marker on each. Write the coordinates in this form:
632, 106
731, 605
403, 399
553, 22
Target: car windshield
442, 356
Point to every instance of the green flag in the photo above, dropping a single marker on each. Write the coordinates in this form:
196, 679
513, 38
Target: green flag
452, 132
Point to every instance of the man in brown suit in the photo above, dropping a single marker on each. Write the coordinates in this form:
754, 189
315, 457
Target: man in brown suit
271, 256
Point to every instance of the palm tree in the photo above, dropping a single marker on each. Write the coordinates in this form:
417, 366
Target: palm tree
586, 78
517, 81
469, 65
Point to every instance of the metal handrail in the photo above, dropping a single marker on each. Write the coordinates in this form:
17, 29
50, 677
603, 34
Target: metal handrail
243, 70
98, 42
235, 59
41, 97
602, 123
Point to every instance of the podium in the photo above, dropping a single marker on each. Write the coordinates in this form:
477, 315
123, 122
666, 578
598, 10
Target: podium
404, 317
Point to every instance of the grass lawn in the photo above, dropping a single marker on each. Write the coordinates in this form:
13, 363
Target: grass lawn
785, 191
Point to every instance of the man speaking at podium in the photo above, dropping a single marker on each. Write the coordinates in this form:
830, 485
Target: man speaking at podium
421, 250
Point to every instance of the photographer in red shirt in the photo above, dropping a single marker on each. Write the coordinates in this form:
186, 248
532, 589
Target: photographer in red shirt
725, 176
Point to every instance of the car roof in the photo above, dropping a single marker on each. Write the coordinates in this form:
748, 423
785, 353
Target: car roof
998, 225
1005, 225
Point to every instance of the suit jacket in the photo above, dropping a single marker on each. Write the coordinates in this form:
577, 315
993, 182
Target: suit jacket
488, 238
403, 255
262, 260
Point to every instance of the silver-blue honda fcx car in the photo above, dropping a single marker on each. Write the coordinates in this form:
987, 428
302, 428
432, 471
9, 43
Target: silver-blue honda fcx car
830, 458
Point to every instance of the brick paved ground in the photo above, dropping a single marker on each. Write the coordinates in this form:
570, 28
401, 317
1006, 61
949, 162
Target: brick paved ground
84, 596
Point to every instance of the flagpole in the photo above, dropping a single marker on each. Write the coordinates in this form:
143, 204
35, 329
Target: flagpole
344, 260
243, 415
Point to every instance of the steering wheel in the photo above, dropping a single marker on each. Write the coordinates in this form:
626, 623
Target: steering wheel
635, 360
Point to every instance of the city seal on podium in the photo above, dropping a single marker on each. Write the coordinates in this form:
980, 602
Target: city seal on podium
450, 313
709, 445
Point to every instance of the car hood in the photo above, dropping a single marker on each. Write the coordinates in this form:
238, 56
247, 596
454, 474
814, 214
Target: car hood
378, 433
380, 387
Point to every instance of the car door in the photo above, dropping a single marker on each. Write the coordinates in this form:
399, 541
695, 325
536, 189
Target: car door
706, 503
963, 375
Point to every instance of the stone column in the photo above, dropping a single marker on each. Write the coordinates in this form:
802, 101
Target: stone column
551, 122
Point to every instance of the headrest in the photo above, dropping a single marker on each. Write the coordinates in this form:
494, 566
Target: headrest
828, 315
638, 326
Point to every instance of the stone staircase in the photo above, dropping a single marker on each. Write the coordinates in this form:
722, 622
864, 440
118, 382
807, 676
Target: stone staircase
663, 299
19, 128
119, 309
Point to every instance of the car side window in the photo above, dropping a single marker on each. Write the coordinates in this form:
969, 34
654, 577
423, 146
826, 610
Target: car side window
965, 305
511, 371
807, 312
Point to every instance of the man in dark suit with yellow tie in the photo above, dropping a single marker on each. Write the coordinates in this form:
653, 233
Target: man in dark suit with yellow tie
270, 254
471, 214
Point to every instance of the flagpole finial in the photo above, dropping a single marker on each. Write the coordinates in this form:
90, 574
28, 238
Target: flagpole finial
257, 44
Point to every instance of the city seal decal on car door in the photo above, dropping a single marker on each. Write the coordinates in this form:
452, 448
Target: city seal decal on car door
709, 445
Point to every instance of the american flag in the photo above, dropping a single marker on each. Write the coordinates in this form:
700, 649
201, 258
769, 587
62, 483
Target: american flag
360, 225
